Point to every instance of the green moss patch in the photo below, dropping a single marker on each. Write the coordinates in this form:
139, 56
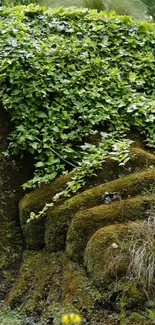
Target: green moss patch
104, 257
59, 218
9, 318
34, 201
86, 222
77, 290
107, 258
139, 159
50, 284
31, 288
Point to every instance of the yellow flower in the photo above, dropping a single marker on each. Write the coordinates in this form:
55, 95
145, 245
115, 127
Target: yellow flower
71, 319
65, 319
77, 318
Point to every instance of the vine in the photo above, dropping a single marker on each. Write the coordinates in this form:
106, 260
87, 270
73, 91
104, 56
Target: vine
92, 161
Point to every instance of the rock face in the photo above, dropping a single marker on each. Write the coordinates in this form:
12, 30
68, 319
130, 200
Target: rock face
76, 258
12, 175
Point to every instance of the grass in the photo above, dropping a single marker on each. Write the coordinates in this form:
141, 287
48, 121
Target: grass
141, 269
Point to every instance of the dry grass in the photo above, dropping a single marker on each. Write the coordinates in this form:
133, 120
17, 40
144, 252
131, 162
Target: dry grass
141, 269
136, 254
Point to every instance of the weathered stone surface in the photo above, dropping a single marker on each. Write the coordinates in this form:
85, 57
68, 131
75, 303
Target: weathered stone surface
13, 173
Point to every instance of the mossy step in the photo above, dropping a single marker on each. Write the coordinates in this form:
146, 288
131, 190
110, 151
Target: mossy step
85, 223
139, 159
59, 218
50, 284
35, 200
105, 257
122, 279
31, 288
77, 289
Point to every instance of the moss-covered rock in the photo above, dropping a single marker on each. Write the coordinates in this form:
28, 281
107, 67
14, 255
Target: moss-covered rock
107, 258
33, 202
87, 222
104, 255
31, 288
139, 159
50, 284
42, 285
77, 290
59, 218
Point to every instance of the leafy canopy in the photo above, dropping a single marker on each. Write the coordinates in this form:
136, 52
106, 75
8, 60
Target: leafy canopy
67, 74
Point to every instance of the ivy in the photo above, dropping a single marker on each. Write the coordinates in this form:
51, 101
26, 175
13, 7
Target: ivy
67, 75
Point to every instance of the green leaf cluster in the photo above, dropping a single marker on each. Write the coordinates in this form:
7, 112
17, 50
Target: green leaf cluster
69, 74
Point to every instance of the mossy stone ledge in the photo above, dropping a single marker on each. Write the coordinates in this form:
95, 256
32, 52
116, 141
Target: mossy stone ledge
87, 222
50, 284
59, 217
107, 257
104, 256
34, 201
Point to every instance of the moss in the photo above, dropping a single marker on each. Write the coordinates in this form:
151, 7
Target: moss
101, 258
34, 201
139, 318
31, 288
107, 265
59, 218
122, 296
139, 159
50, 284
77, 290
9, 318
87, 222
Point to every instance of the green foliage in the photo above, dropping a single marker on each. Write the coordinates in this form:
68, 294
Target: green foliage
68, 74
